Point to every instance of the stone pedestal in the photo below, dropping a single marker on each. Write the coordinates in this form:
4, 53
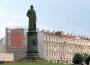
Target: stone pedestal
32, 48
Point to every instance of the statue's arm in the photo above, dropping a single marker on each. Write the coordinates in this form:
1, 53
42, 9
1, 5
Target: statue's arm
28, 14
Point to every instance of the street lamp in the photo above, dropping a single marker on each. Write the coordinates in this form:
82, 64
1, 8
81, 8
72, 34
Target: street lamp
63, 52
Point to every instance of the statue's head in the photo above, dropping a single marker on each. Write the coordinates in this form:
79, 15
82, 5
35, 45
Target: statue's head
31, 6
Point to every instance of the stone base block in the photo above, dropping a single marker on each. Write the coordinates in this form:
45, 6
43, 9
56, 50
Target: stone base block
33, 59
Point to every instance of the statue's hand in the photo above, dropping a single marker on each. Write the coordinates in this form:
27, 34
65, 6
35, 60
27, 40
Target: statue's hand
28, 15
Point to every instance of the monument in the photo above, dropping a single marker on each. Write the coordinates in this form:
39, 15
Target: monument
32, 49
32, 41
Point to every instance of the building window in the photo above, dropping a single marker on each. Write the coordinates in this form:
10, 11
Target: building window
60, 39
58, 47
52, 53
53, 39
49, 47
46, 39
58, 53
46, 53
49, 54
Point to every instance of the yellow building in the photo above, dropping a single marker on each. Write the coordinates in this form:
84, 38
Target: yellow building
60, 48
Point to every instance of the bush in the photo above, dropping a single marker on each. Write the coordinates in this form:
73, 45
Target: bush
85, 55
78, 58
88, 60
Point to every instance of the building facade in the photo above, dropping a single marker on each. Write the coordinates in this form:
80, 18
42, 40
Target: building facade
60, 48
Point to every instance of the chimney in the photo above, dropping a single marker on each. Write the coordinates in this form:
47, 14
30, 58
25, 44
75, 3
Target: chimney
43, 30
48, 31
70, 34
84, 37
67, 34
87, 37
53, 32
59, 33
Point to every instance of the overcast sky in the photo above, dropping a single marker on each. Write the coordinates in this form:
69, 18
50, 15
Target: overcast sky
70, 16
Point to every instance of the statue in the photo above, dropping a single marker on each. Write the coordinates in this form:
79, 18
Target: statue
32, 39
32, 18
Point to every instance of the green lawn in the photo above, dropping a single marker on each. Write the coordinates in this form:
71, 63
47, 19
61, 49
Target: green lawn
34, 63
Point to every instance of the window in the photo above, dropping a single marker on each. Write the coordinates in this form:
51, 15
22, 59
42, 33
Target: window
49, 54
52, 53
46, 39
46, 53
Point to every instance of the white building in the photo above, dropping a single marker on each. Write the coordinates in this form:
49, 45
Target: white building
60, 48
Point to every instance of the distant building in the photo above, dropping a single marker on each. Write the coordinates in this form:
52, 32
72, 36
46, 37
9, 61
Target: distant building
16, 42
53, 46
2, 45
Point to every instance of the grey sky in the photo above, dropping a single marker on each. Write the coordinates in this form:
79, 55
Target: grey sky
70, 16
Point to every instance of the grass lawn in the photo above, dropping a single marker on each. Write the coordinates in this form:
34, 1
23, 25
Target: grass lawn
34, 63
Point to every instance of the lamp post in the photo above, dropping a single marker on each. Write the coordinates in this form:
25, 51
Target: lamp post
61, 58
63, 52
64, 49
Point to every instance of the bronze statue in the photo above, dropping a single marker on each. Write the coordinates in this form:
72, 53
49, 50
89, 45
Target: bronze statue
32, 39
32, 18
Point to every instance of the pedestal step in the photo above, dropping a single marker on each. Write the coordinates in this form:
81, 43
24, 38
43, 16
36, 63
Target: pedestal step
33, 59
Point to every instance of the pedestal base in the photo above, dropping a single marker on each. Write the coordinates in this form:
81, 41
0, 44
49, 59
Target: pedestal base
33, 59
